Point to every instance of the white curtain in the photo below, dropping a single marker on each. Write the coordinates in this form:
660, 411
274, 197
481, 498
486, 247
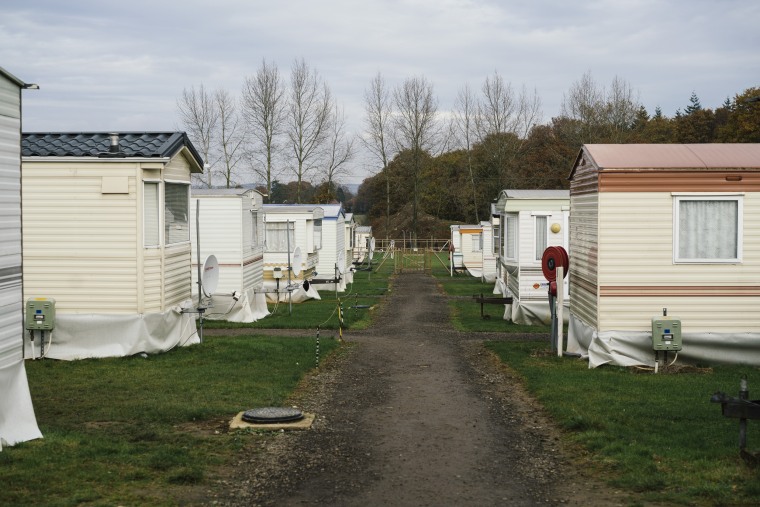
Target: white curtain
708, 229
540, 237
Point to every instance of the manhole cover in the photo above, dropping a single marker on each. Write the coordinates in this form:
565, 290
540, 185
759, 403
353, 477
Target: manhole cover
269, 415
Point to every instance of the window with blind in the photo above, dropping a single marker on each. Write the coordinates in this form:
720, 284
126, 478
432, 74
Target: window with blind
707, 229
277, 237
317, 234
151, 215
477, 242
254, 229
510, 237
496, 239
540, 237
176, 224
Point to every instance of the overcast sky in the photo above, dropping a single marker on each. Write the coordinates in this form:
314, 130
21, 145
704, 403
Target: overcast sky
121, 65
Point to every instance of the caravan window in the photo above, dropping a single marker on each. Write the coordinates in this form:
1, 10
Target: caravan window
477, 242
540, 237
317, 234
496, 238
279, 235
176, 225
707, 229
510, 237
151, 215
254, 229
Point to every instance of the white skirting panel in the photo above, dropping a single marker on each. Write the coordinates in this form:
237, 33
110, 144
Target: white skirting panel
18, 423
634, 348
82, 336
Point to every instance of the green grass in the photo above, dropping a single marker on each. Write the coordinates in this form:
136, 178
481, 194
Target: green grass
129, 431
655, 435
465, 312
365, 293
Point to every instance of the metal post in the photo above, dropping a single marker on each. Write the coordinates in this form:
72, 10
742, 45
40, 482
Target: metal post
743, 395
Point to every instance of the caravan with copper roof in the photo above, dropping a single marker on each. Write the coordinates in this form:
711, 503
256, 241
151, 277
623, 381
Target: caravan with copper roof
665, 226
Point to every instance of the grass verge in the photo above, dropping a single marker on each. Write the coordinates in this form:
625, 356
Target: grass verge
656, 435
137, 431
356, 303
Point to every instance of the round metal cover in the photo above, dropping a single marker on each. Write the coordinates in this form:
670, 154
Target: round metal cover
269, 415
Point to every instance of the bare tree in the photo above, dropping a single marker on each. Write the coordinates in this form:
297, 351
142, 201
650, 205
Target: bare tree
464, 126
200, 119
505, 119
416, 129
308, 121
497, 110
621, 108
584, 104
378, 110
231, 137
263, 102
599, 115
339, 150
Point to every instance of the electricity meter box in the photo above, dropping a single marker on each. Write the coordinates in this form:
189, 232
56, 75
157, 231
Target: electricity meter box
40, 314
666, 333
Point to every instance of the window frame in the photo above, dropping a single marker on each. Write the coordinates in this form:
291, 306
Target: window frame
515, 237
538, 251
678, 198
176, 184
158, 222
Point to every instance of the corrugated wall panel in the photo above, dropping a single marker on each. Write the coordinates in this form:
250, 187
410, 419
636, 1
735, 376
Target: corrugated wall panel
177, 277
624, 269
221, 235
152, 281
583, 236
625, 235
328, 254
697, 314
11, 321
80, 244
177, 169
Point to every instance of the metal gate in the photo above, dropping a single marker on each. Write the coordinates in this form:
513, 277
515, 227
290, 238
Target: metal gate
408, 257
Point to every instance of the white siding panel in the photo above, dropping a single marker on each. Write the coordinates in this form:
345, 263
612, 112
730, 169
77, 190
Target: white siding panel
221, 220
637, 247
178, 169
177, 277
152, 284
697, 314
583, 239
80, 244
11, 304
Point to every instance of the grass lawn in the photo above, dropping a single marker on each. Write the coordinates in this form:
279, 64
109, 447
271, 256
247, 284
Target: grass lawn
356, 304
128, 431
657, 435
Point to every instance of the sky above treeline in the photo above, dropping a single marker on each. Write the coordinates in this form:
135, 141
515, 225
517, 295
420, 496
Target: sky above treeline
121, 66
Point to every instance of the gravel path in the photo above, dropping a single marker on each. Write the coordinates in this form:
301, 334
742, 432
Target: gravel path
414, 413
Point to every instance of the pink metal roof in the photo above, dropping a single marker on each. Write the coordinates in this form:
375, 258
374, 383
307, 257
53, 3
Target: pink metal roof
675, 156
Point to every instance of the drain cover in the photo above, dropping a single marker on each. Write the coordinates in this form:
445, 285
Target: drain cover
270, 415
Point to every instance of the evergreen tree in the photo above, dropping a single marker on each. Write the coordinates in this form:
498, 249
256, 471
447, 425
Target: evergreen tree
694, 105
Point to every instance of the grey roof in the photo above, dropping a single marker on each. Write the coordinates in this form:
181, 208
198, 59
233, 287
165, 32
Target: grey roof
97, 144
333, 210
12, 78
219, 192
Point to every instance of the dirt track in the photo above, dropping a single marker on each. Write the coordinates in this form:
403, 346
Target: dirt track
414, 414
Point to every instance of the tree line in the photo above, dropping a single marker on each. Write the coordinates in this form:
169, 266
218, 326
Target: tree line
493, 140
446, 163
